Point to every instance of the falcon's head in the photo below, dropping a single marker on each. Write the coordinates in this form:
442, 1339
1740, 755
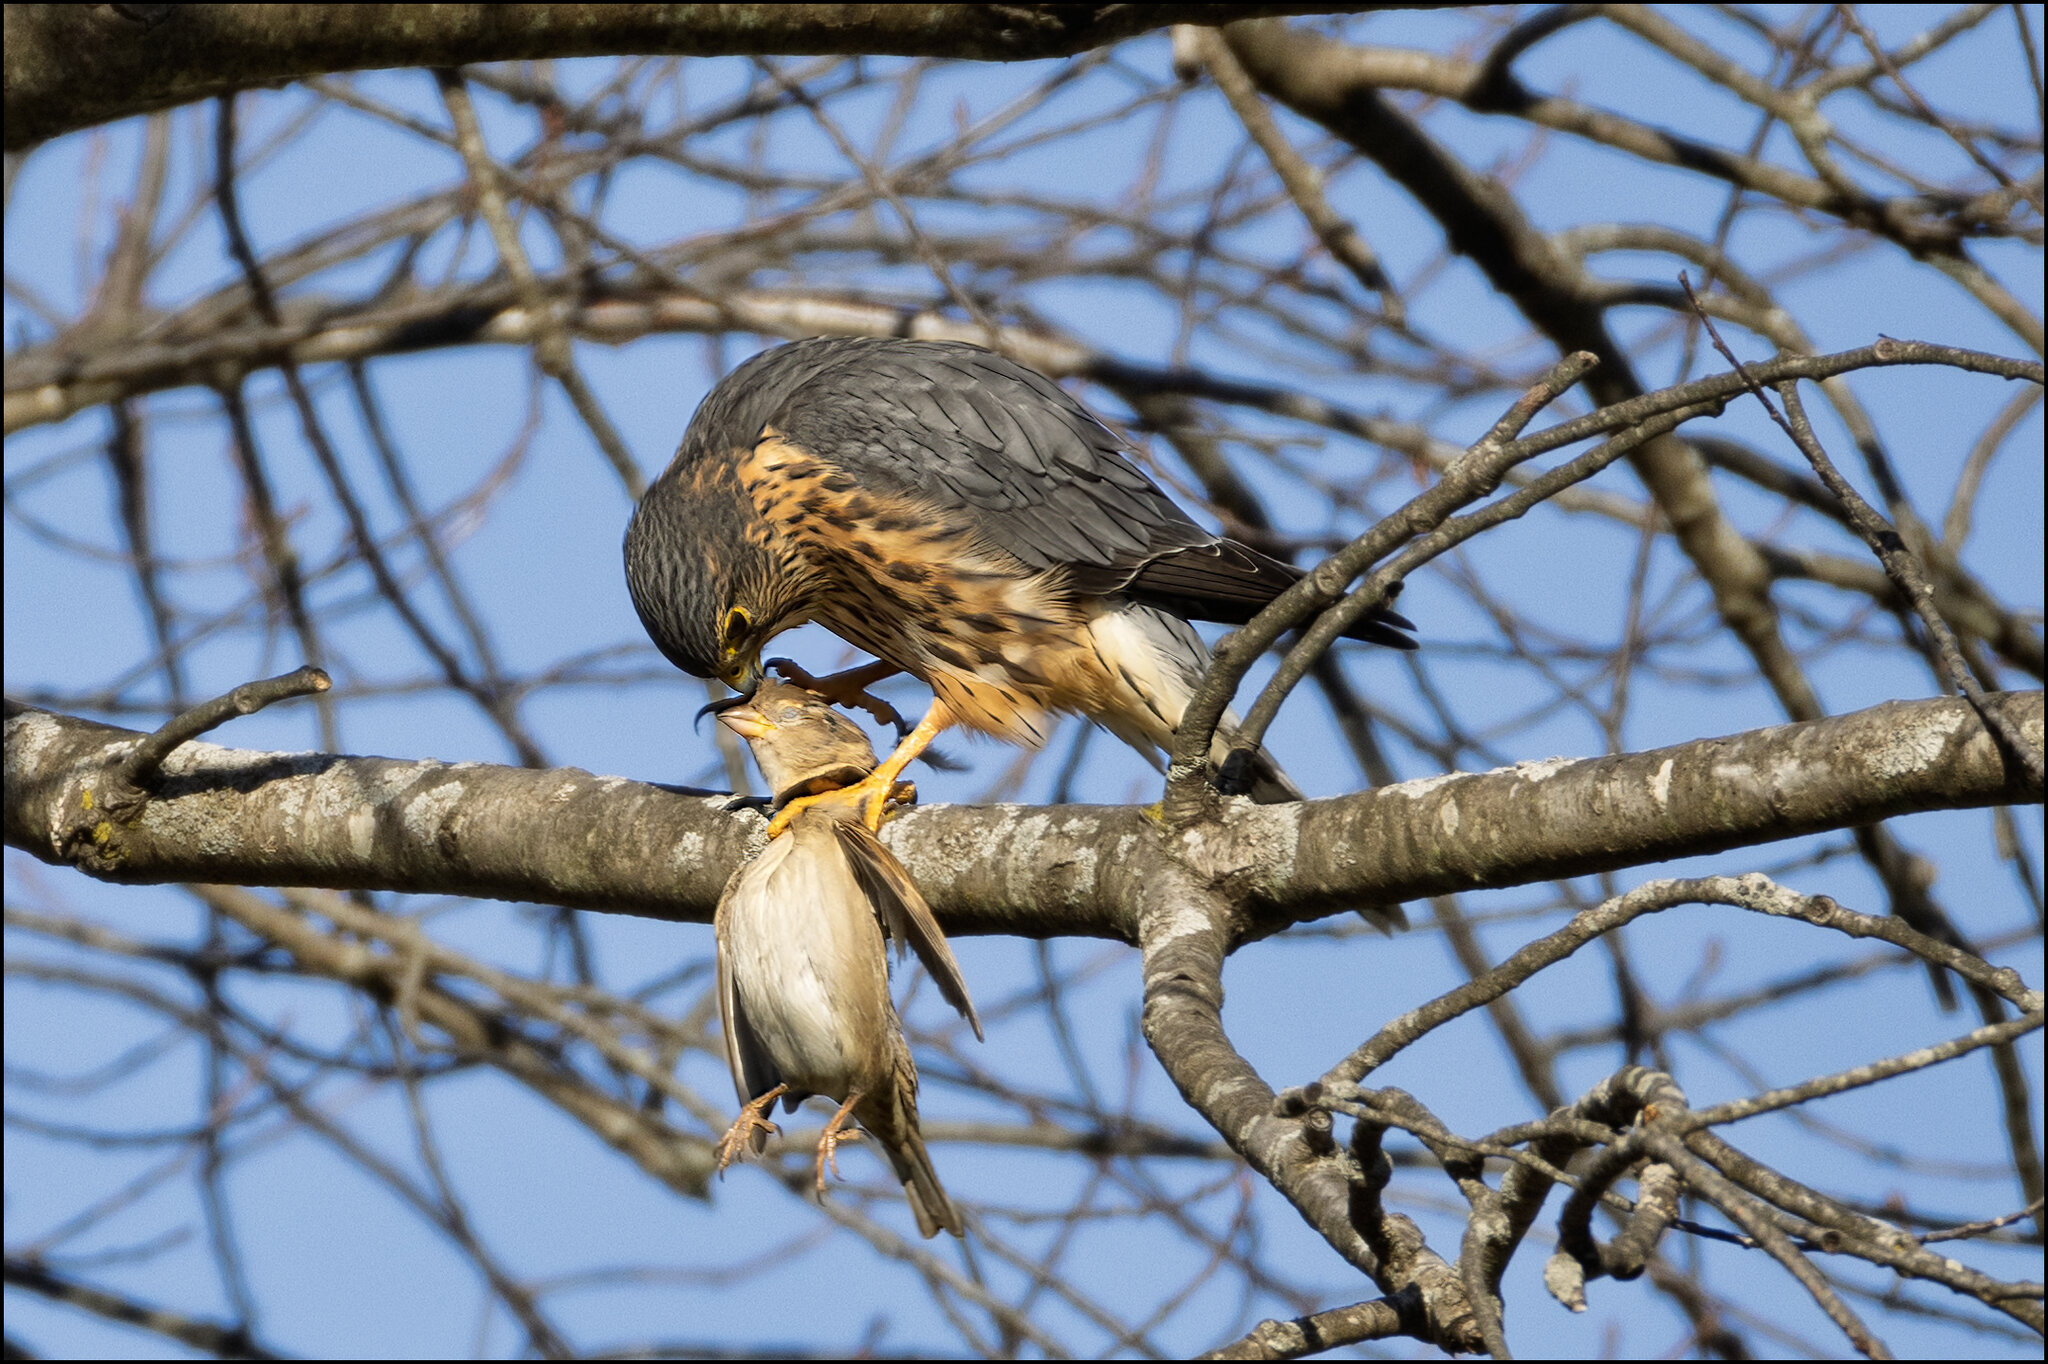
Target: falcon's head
708, 592
702, 576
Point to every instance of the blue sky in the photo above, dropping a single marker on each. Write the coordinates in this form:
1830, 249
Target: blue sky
539, 549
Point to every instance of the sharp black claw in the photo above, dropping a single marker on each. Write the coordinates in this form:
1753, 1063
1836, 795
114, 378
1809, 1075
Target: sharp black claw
941, 762
1235, 776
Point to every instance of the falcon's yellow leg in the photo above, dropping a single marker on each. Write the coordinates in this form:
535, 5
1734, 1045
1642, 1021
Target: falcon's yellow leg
835, 1132
874, 790
753, 1117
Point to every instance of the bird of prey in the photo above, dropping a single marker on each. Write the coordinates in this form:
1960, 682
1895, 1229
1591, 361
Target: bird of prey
803, 978
962, 519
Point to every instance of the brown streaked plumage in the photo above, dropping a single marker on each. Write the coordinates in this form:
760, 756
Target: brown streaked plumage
959, 517
803, 975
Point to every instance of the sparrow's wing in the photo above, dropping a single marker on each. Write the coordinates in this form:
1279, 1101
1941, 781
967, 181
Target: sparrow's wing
753, 1074
905, 915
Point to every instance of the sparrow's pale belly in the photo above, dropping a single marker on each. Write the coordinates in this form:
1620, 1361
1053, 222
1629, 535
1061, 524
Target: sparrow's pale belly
806, 968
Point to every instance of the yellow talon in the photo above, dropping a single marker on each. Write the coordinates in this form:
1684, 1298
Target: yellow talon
873, 797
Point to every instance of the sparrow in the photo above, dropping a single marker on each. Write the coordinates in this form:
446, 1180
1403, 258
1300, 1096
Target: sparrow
803, 975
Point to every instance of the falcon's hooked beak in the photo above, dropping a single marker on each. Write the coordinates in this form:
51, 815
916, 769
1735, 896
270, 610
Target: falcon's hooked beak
744, 678
734, 712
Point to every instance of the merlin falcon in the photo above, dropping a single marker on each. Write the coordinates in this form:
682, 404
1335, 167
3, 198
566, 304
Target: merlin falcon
962, 519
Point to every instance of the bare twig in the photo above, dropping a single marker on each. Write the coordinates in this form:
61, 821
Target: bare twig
129, 785
1303, 181
551, 349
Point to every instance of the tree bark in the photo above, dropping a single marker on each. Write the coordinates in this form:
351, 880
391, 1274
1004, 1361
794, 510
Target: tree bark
71, 66
569, 838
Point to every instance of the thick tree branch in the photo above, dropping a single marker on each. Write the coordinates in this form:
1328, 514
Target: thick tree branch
567, 837
71, 66
1185, 934
1566, 818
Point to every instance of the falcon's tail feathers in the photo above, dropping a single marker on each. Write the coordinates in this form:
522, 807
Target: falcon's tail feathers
1228, 582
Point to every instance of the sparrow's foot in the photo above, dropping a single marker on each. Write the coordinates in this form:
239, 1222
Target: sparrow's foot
836, 1131
738, 1141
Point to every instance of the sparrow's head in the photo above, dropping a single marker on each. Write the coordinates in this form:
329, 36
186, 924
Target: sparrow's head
800, 742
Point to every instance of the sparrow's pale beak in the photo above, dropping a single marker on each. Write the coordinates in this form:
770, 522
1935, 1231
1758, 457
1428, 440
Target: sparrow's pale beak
742, 718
